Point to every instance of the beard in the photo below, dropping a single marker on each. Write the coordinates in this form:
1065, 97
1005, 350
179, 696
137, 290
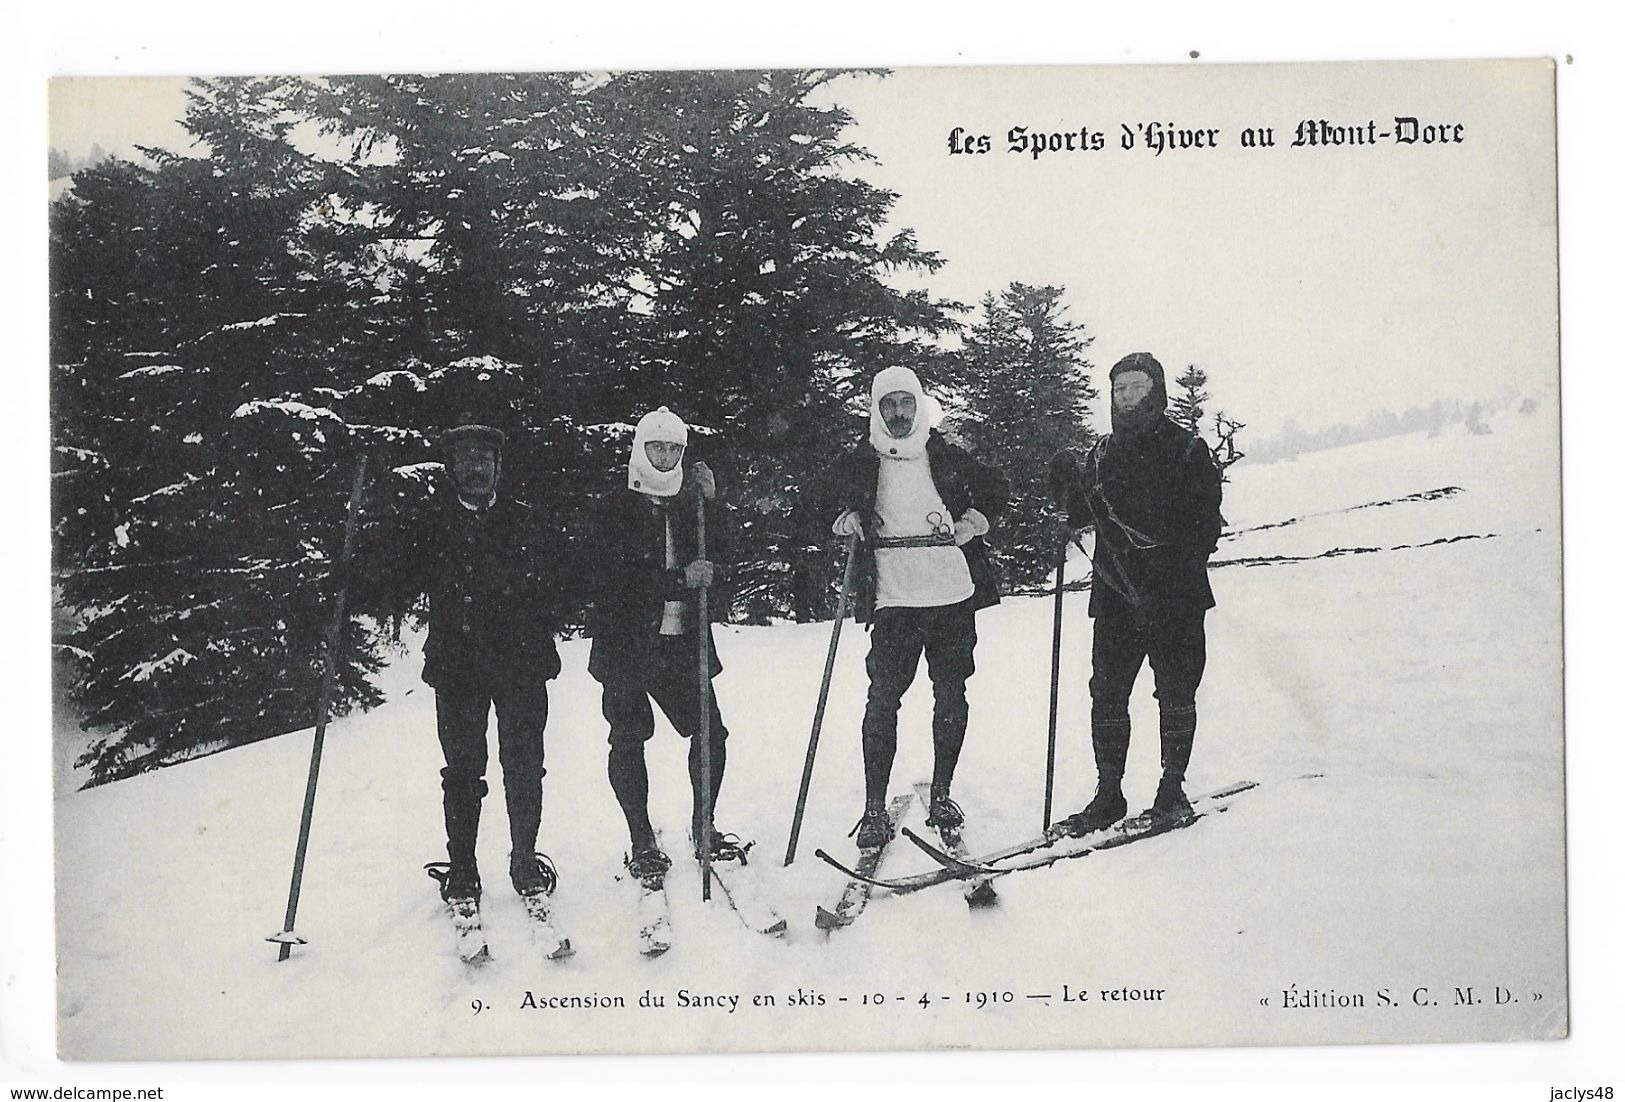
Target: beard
1136, 419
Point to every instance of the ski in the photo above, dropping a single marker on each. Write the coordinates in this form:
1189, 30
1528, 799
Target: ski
653, 910
1140, 827
654, 919
987, 864
954, 860
544, 932
979, 890
858, 875
465, 919
742, 889
860, 881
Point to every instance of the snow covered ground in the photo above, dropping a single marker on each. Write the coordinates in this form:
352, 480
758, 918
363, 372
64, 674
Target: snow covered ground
1400, 707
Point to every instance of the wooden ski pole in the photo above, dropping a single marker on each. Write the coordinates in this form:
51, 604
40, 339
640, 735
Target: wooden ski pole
287, 939
704, 633
823, 694
1054, 683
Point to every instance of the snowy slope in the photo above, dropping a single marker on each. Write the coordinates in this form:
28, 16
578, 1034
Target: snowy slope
1400, 707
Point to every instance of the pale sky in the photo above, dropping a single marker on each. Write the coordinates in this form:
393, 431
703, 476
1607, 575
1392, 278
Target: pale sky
1312, 284
117, 113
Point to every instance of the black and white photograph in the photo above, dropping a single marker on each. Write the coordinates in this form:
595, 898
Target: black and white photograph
652, 561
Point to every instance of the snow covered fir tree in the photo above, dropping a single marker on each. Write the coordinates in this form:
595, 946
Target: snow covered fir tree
339, 267
1021, 392
1188, 404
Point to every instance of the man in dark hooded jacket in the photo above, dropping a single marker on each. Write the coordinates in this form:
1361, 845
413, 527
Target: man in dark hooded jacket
1151, 490
645, 629
921, 505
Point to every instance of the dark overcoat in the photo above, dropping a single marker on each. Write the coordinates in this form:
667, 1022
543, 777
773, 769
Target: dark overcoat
1153, 499
491, 594
630, 583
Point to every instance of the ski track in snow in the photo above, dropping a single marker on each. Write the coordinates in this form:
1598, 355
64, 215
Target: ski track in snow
1421, 687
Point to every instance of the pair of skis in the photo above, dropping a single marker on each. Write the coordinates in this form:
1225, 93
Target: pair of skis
740, 888
1046, 849
861, 881
469, 927
472, 948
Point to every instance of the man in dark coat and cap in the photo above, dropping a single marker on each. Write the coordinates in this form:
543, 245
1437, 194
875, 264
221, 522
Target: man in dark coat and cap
1151, 491
921, 506
491, 642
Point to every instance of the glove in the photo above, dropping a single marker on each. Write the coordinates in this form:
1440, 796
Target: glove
705, 483
1064, 476
849, 523
699, 574
968, 527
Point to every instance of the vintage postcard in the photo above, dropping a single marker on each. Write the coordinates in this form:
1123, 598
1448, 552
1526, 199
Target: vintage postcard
795, 560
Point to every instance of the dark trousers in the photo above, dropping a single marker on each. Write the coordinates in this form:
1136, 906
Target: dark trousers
672, 682
1177, 649
462, 715
897, 637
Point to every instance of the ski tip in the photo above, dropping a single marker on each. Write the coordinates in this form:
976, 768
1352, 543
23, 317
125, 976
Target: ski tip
778, 928
650, 952
833, 863
829, 920
564, 952
982, 895
478, 959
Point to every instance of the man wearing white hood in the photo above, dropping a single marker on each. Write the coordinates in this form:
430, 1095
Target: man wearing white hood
645, 627
920, 506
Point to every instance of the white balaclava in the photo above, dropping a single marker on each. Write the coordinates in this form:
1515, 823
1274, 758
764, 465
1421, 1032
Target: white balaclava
912, 446
664, 425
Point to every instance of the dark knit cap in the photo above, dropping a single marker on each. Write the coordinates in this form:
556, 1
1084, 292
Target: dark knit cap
483, 435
